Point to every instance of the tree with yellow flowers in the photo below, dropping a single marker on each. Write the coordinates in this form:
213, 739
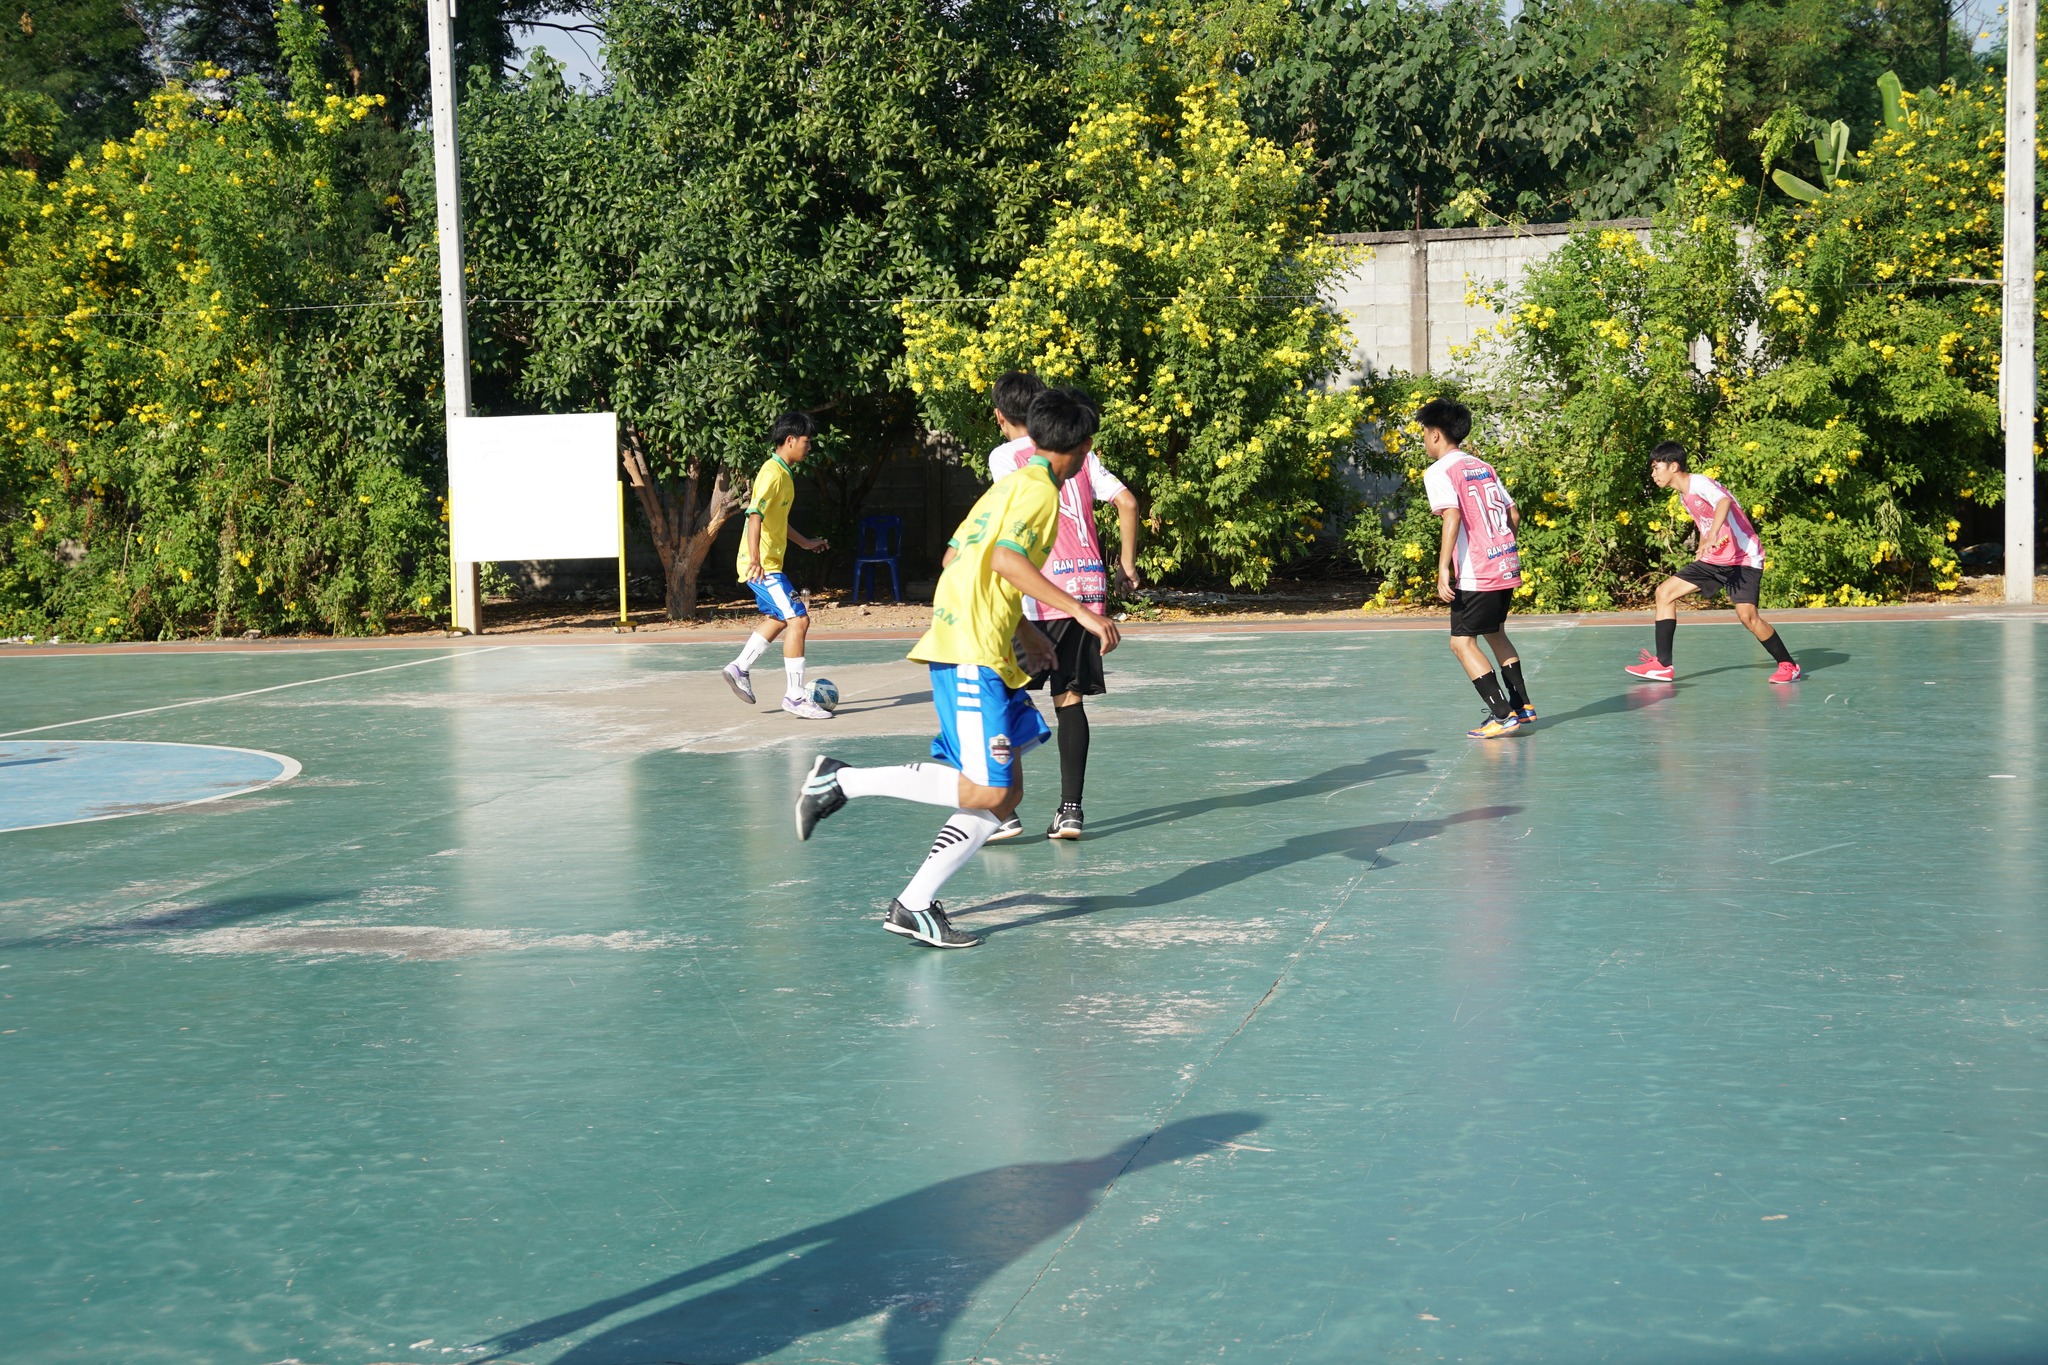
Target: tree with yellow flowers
1180, 283
214, 392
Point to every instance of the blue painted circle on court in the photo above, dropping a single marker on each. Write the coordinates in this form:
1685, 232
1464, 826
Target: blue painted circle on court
63, 782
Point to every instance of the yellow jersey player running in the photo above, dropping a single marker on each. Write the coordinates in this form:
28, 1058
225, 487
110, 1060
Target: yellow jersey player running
987, 722
762, 544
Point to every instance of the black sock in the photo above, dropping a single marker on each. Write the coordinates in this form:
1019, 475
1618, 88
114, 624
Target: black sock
1667, 631
1775, 647
1511, 674
1073, 752
1490, 693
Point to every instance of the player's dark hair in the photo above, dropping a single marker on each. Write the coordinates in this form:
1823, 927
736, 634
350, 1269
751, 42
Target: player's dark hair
1668, 452
1013, 392
1061, 421
791, 424
1454, 420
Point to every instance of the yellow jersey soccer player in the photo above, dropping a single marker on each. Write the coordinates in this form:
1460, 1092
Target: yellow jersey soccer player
987, 721
762, 544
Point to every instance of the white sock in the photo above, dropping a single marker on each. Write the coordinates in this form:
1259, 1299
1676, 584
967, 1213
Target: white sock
756, 646
960, 838
795, 669
928, 784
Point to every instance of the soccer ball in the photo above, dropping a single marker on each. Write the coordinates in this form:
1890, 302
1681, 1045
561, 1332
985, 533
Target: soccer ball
825, 692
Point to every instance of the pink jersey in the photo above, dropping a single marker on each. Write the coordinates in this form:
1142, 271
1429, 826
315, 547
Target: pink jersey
1487, 559
1740, 545
1076, 563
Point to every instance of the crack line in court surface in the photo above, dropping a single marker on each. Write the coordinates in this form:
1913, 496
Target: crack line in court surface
1286, 968
252, 692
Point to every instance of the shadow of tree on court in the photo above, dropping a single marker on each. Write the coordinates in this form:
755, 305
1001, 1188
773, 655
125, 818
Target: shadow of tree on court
919, 1258
1392, 763
1361, 843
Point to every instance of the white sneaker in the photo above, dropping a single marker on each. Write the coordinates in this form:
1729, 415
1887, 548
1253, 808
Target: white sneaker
736, 678
1009, 829
805, 709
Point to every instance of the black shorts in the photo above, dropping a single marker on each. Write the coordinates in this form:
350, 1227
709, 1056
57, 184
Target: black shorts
1741, 582
1479, 613
1079, 655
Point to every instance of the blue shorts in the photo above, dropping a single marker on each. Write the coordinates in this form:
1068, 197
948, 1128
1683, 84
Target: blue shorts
776, 596
985, 725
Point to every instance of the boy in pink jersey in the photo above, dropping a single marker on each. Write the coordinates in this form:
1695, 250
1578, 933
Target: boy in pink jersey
1076, 567
1478, 566
1730, 558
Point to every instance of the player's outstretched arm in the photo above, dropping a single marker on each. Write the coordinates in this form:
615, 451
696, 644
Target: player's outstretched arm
1021, 574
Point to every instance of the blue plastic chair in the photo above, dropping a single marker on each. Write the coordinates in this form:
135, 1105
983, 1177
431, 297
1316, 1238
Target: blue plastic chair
881, 546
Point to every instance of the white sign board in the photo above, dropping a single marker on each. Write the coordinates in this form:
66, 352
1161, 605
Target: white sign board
534, 487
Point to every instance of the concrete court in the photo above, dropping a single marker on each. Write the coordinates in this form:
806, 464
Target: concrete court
1702, 1024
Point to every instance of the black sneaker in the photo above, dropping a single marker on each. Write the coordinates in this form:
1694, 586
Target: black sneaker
1066, 824
820, 795
929, 927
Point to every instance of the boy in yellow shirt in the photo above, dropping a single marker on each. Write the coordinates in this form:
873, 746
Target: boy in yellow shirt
762, 544
987, 722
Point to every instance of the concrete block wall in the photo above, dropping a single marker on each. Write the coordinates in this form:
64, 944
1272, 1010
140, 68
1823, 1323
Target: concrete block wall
1407, 305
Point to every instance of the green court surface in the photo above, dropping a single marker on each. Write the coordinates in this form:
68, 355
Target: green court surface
1700, 1024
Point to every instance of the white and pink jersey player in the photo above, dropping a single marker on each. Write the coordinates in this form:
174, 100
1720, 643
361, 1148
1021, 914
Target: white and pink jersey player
1487, 558
1075, 564
1740, 545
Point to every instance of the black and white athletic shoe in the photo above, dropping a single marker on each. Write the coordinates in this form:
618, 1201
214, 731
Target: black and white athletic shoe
1009, 829
929, 927
1066, 823
820, 795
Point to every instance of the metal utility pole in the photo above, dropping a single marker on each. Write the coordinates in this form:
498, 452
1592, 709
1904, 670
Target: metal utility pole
2016, 361
465, 600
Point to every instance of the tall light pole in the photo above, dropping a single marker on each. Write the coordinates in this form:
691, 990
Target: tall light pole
2016, 359
465, 600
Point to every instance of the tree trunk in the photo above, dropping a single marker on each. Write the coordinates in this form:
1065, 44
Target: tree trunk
683, 521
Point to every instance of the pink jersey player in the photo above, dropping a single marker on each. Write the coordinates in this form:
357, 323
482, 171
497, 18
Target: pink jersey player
1076, 564
1487, 558
1739, 545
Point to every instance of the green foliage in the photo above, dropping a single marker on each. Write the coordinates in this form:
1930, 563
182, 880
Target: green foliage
1831, 375
88, 59
1179, 283
181, 450
370, 47
1428, 114
29, 124
724, 233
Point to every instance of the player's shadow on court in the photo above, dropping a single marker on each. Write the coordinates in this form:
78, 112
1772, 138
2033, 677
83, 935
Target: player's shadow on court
1360, 843
919, 1258
1393, 763
212, 914
854, 708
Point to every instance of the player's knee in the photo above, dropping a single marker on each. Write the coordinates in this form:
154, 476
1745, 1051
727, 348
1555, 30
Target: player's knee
974, 796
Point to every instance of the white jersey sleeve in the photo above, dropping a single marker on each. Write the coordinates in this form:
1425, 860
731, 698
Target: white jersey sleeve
1436, 482
1106, 484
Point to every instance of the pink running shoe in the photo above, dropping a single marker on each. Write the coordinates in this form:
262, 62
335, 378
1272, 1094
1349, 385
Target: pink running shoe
1648, 669
1787, 672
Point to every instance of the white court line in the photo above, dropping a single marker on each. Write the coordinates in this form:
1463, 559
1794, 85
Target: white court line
253, 692
1824, 848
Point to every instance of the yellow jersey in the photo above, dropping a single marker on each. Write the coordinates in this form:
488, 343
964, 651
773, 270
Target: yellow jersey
774, 495
976, 610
